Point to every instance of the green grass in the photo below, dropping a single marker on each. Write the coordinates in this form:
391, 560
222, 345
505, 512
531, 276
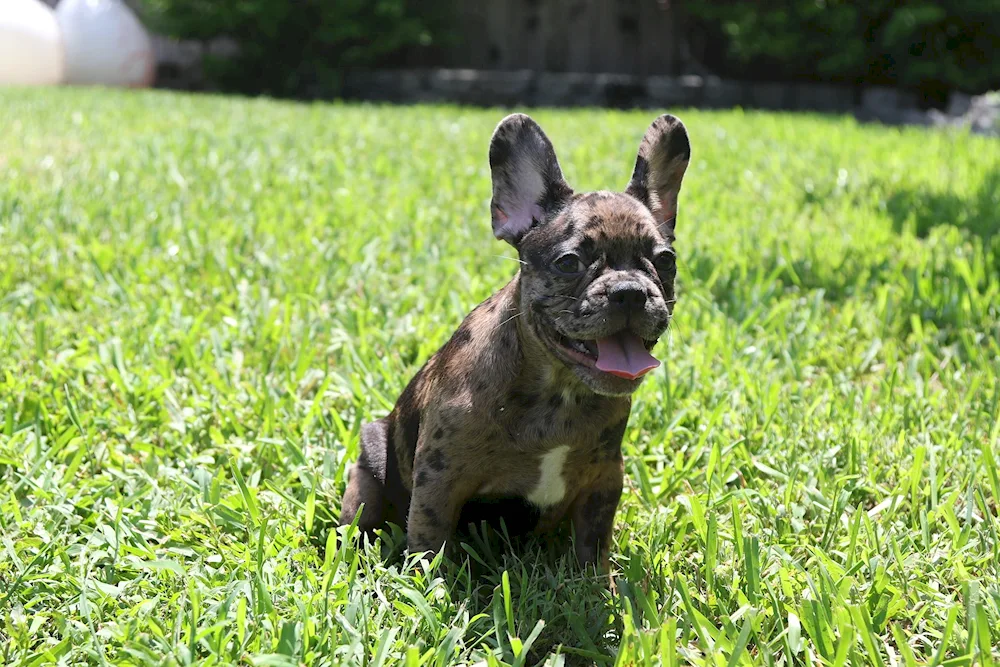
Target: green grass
201, 299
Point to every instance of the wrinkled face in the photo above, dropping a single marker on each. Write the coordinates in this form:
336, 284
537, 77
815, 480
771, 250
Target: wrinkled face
597, 276
598, 280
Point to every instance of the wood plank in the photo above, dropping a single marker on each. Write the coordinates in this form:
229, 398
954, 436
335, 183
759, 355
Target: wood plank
618, 36
657, 38
555, 14
578, 27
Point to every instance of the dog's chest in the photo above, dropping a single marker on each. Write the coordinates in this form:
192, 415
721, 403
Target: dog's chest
552, 439
545, 444
543, 479
541, 418
557, 453
533, 491
549, 487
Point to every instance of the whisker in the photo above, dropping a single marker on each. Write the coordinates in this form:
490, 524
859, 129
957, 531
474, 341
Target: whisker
554, 297
674, 329
514, 316
513, 259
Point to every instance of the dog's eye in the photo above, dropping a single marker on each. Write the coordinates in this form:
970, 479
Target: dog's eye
569, 264
665, 263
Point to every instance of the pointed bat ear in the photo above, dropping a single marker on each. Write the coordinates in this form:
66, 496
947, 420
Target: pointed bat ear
664, 154
528, 185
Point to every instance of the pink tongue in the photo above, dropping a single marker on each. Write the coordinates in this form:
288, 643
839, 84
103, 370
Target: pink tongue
624, 355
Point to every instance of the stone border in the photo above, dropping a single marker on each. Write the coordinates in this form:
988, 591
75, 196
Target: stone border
889, 106
557, 89
179, 66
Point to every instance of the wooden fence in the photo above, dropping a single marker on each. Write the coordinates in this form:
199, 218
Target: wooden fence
615, 36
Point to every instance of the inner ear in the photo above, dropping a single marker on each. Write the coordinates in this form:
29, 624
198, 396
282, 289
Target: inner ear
528, 185
664, 155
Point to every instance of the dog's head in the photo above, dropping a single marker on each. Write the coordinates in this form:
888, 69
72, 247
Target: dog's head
597, 273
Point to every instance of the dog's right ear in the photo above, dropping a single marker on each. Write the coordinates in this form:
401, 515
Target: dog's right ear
663, 158
528, 185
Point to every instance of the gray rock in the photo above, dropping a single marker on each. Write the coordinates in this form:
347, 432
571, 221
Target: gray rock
769, 96
719, 94
376, 85
823, 97
453, 85
481, 87
914, 117
412, 83
983, 116
509, 88
939, 118
669, 91
693, 88
958, 104
987, 125
566, 89
621, 91
879, 100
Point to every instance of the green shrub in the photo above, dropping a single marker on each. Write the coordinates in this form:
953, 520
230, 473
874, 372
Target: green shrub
295, 48
923, 45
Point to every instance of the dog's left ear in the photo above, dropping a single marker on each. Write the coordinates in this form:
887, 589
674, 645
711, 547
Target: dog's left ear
528, 185
659, 168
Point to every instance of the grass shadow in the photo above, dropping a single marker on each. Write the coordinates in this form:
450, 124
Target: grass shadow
543, 582
919, 211
744, 292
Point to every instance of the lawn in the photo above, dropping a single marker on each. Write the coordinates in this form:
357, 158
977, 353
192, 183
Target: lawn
202, 298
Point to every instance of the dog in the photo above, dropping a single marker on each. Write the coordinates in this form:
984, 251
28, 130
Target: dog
522, 412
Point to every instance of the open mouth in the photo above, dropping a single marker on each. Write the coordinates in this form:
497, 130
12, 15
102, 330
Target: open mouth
624, 354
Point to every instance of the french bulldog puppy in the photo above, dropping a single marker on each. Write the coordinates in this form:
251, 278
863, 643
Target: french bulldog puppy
527, 403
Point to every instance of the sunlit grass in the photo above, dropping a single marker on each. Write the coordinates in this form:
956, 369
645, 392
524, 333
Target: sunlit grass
201, 299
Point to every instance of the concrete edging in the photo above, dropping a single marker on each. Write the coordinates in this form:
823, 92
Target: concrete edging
557, 89
180, 67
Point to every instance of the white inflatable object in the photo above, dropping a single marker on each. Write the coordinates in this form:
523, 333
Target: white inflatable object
30, 44
105, 44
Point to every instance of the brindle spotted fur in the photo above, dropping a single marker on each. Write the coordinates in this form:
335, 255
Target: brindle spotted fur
501, 400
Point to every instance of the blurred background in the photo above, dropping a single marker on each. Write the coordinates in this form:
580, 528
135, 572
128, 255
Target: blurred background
301, 48
898, 62
297, 48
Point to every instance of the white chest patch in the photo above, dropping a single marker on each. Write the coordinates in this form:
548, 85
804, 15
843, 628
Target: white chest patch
551, 486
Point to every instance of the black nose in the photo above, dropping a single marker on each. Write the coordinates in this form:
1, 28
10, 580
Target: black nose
627, 294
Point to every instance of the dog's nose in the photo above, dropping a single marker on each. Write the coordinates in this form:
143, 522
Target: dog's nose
628, 294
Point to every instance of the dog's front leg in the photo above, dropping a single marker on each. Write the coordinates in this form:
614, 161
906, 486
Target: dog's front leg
593, 516
439, 491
